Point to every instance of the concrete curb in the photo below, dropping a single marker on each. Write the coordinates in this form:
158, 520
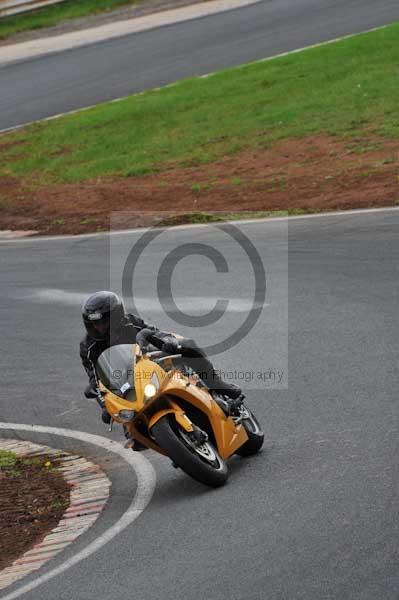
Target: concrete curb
8, 234
89, 494
75, 39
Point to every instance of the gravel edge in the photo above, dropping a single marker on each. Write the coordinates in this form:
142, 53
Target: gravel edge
90, 489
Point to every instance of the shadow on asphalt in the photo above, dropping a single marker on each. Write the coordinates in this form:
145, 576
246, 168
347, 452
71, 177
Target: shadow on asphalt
176, 485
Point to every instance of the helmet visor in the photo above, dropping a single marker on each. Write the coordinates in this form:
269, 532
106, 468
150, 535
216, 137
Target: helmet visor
98, 329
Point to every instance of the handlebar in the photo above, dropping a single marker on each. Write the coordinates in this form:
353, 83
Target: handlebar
162, 358
155, 354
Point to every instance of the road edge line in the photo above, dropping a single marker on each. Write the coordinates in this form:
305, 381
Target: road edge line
146, 479
248, 221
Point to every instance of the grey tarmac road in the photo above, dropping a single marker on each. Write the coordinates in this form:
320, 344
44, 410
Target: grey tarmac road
314, 516
50, 85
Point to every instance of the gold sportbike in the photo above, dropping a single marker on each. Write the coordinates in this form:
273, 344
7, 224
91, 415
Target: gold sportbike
166, 407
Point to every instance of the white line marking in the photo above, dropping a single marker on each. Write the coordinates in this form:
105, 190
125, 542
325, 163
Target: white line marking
146, 478
268, 58
319, 44
265, 220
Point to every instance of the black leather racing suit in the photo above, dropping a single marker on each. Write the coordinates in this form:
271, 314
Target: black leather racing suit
194, 357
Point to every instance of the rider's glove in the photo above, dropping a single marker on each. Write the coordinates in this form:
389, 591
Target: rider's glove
170, 346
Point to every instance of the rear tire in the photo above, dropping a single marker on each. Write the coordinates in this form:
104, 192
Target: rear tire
202, 463
255, 435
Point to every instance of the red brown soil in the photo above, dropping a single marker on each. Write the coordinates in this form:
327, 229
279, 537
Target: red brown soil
33, 499
312, 174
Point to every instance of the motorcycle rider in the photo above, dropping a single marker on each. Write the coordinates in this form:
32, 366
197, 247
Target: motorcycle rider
107, 324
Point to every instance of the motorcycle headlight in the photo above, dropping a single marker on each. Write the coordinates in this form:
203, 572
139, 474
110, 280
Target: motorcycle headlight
150, 390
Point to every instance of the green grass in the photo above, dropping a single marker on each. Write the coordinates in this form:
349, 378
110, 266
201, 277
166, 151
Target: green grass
11, 463
8, 462
7, 459
349, 88
53, 15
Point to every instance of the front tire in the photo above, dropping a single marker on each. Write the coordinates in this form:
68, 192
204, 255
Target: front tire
201, 461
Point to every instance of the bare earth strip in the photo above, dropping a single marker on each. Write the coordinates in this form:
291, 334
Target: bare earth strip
312, 174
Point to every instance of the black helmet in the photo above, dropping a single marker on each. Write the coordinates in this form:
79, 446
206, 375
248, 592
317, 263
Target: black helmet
101, 312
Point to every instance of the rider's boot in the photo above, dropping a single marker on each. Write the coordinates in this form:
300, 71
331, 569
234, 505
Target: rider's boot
232, 391
105, 416
230, 400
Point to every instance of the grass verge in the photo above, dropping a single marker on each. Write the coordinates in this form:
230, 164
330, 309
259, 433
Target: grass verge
11, 464
345, 88
7, 459
53, 15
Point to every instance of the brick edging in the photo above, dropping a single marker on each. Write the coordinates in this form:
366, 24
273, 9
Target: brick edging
88, 496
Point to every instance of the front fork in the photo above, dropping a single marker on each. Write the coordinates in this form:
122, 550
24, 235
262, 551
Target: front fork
179, 414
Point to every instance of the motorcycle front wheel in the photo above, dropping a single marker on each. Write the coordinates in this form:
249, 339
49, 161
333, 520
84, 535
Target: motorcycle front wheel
201, 461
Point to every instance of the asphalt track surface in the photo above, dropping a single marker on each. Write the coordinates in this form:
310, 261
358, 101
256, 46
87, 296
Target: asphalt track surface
46, 86
314, 515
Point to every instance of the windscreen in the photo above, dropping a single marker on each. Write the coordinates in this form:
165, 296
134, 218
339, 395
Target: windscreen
115, 368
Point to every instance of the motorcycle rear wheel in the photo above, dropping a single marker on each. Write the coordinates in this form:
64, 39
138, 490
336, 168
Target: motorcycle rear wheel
254, 433
201, 462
